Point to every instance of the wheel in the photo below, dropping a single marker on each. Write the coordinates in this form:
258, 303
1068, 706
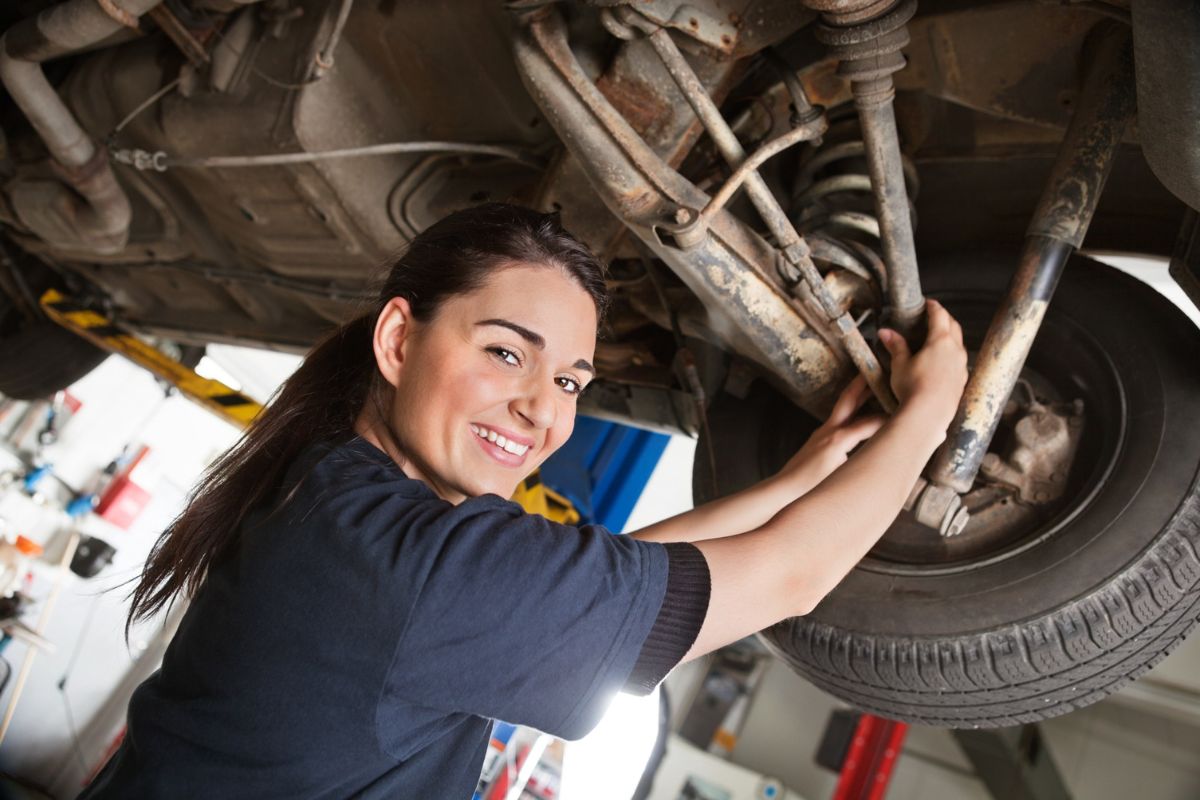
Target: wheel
40, 357
1061, 603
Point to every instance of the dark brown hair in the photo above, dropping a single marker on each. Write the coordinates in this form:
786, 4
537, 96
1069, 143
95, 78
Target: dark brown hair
324, 397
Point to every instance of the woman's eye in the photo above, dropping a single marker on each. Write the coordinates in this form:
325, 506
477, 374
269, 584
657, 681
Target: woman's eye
570, 384
505, 355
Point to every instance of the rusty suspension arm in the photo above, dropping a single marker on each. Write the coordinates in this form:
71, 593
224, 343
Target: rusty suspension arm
728, 266
1058, 228
794, 249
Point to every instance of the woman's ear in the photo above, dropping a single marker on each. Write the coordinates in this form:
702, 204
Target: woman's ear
392, 330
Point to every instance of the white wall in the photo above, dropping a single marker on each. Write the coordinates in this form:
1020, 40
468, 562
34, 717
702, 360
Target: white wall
122, 405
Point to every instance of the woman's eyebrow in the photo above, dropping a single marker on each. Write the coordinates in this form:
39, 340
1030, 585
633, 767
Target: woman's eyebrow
535, 339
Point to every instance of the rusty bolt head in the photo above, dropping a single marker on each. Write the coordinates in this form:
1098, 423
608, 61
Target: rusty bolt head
683, 215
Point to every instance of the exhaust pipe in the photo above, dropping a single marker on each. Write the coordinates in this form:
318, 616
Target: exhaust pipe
95, 217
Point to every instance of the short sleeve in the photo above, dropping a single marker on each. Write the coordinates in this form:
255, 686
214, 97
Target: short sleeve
514, 617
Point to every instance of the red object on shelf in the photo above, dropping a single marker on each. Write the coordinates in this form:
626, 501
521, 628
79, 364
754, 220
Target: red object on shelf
71, 402
123, 500
871, 758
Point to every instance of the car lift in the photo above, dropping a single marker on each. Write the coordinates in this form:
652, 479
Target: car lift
1013, 763
863, 750
231, 405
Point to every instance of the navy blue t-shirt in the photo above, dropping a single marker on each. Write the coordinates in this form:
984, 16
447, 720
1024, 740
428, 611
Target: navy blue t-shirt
360, 638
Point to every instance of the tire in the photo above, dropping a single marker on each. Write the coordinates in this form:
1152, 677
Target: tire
1082, 602
37, 359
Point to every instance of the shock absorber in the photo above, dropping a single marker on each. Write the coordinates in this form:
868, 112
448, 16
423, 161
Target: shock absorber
833, 203
866, 36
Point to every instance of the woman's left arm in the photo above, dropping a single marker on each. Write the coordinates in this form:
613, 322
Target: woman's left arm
825, 451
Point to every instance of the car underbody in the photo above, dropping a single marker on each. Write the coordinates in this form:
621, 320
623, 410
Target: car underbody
766, 180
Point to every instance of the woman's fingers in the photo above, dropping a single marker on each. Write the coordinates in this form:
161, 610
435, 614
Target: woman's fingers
939, 320
896, 346
849, 401
858, 431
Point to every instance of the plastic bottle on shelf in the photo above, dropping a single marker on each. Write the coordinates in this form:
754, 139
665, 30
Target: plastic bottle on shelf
14, 562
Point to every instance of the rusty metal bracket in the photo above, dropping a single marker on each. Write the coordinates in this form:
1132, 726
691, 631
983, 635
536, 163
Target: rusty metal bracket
730, 268
793, 247
750, 307
1058, 227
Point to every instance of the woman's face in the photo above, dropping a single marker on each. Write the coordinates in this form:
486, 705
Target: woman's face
486, 390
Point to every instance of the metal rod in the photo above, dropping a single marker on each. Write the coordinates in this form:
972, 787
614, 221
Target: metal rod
868, 43
1058, 227
323, 61
161, 161
787, 238
873, 99
723, 137
791, 81
800, 133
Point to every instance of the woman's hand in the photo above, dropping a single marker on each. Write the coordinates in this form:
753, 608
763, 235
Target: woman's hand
829, 445
789, 564
932, 379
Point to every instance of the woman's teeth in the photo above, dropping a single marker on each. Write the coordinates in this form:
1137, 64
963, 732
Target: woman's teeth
500, 441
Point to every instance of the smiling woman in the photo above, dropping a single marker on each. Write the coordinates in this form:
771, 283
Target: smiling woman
364, 601
496, 375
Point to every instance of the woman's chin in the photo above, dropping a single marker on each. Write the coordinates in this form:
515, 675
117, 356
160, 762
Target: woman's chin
505, 489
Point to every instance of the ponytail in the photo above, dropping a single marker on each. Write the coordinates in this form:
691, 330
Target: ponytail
319, 402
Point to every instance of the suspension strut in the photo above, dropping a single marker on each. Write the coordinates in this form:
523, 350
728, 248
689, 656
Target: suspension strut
866, 36
796, 261
835, 201
1059, 224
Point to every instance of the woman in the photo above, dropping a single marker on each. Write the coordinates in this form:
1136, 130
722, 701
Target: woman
365, 600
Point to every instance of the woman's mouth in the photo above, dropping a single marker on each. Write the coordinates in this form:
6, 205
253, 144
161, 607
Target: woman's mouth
499, 446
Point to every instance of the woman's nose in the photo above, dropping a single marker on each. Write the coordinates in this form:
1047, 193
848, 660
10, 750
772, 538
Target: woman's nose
536, 406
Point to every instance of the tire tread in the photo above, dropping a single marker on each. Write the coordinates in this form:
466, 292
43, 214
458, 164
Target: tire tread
1029, 670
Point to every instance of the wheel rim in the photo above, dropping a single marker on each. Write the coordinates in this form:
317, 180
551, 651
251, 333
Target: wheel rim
1066, 360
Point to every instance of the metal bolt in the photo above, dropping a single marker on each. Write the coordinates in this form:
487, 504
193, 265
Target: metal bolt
683, 215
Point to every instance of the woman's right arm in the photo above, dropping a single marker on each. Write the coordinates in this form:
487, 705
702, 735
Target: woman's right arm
784, 568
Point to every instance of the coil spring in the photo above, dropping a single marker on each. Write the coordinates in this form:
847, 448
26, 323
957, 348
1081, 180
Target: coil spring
833, 201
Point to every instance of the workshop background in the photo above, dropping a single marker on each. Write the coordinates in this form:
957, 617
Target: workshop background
742, 724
